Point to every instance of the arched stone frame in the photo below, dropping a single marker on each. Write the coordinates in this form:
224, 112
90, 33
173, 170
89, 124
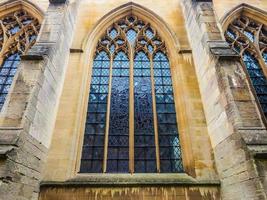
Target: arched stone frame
175, 58
7, 8
259, 16
13, 5
245, 9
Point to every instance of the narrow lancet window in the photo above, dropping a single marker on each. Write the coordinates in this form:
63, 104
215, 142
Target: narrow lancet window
118, 137
94, 136
144, 146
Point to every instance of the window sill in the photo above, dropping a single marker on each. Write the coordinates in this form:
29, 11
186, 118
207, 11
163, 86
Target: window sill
132, 180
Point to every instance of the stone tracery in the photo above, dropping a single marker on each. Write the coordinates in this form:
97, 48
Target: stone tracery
249, 38
132, 144
18, 32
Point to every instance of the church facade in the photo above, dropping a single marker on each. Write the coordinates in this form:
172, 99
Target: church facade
141, 99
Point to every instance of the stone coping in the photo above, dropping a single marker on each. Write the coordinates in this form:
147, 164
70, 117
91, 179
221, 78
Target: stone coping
131, 180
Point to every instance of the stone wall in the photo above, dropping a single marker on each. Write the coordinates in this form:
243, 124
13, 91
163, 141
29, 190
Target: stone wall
30, 110
235, 127
218, 115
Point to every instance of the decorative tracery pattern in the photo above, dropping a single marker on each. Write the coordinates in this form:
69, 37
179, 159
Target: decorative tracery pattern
133, 52
18, 32
249, 39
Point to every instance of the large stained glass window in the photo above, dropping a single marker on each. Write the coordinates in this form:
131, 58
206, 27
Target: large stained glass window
136, 130
249, 38
18, 32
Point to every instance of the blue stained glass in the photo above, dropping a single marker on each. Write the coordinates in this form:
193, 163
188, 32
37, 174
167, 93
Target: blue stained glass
32, 38
144, 147
118, 142
131, 35
120, 42
169, 144
7, 72
143, 42
249, 35
26, 21
157, 42
149, 33
145, 159
258, 79
231, 34
264, 55
131, 19
93, 147
113, 33
150, 49
14, 30
112, 48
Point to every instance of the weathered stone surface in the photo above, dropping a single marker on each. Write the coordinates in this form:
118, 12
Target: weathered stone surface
31, 108
215, 102
236, 123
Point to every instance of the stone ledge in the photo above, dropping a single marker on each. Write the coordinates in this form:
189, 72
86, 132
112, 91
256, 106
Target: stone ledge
130, 180
258, 151
32, 57
182, 51
5, 149
254, 135
58, 1
76, 51
222, 50
38, 51
9, 136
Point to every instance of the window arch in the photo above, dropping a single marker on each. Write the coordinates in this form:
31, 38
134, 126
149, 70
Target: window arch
131, 121
248, 37
18, 32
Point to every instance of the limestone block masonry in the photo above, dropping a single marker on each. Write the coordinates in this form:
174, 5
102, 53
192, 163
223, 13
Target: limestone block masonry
237, 137
30, 112
222, 131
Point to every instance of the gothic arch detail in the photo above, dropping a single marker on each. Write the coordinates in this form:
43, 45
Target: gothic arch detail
247, 35
131, 121
18, 32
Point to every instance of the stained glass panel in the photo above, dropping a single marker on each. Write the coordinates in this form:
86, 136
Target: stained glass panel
249, 35
264, 55
144, 140
257, 78
93, 146
113, 33
169, 144
131, 35
118, 139
7, 73
143, 40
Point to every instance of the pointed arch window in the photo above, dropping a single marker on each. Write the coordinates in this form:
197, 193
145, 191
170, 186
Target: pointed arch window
131, 123
18, 32
249, 38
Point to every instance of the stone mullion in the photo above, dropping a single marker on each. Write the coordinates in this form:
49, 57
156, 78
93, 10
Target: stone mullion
108, 116
131, 111
155, 117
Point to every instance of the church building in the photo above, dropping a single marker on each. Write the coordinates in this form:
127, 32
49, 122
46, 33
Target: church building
133, 100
